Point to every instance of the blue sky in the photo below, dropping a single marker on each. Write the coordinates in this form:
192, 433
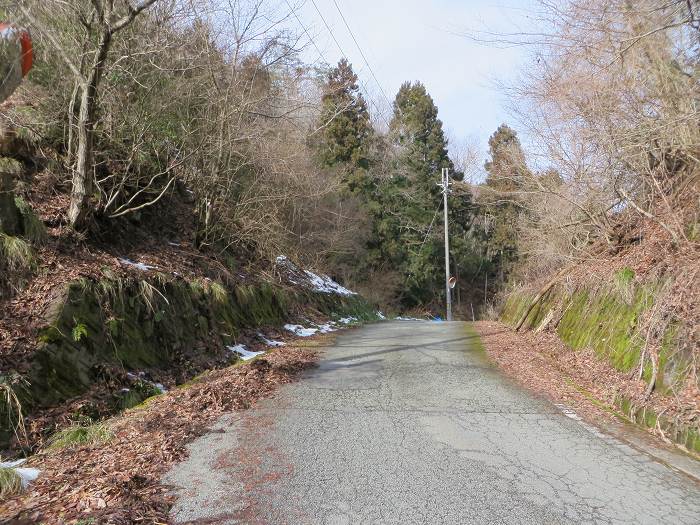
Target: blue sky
416, 40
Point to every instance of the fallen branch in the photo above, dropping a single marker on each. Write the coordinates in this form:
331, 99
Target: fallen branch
539, 296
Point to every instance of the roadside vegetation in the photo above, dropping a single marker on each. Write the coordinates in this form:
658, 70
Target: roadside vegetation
599, 244
162, 155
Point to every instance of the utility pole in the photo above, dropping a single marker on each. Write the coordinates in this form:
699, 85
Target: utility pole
448, 291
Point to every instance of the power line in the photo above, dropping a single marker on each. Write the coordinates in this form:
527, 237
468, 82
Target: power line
340, 48
306, 32
362, 53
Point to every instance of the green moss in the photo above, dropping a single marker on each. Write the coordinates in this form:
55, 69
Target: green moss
692, 440
138, 325
625, 276
607, 324
606, 321
687, 436
515, 306
33, 228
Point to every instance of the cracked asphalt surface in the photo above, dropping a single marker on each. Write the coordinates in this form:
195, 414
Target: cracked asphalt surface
407, 422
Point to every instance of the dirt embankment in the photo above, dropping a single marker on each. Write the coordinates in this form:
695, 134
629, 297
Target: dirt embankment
584, 381
118, 482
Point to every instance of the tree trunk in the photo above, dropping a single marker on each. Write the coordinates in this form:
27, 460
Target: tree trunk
83, 173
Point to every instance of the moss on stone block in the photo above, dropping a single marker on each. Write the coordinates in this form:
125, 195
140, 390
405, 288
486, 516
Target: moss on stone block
684, 435
137, 324
606, 321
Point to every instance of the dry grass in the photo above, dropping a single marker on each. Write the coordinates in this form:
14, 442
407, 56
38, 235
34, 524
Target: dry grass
78, 435
10, 482
16, 253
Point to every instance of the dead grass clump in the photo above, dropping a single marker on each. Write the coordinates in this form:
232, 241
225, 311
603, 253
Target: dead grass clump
77, 435
10, 482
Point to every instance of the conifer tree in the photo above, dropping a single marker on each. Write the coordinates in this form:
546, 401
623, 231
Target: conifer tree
507, 175
408, 236
344, 122
416, 129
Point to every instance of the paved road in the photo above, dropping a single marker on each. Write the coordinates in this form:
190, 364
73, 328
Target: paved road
406, 422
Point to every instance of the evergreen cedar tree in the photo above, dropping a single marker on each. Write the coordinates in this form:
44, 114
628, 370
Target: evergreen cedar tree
403, 202
345, 123
507, 174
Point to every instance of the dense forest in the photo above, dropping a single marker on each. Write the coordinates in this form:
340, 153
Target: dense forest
129, 105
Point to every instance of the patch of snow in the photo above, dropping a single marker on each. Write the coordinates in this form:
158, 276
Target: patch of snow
137, 265
401, 318
299, 330
324, 284
141, 376
381, 315
325, 328
244, 354
270, 342
347, 320
569, 412
318, 283
26, 475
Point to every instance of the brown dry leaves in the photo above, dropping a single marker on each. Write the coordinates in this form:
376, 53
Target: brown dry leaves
544, 364
119, 482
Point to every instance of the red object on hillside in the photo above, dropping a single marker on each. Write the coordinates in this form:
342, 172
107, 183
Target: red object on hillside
16, 57
27, 52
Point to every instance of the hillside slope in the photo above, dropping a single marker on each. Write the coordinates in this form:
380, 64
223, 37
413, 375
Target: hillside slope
632, 307
91, 324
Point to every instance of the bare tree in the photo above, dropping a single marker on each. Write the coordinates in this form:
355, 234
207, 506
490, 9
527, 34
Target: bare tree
100, 22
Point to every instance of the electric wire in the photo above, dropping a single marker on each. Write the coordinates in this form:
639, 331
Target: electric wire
430, 228
364, 57
342, 52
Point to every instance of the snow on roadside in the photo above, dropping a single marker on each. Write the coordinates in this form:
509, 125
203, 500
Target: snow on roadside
324, 284
240, 351
326, 328
141, 376
26, 474
318, 283
381, 316
137, 265
270, 342
299, 330
401, 318
348, 320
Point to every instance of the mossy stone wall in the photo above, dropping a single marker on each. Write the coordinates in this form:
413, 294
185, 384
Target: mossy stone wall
608, 322
142, 324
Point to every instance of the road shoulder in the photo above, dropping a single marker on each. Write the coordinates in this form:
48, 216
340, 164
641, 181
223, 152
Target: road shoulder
572, 381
